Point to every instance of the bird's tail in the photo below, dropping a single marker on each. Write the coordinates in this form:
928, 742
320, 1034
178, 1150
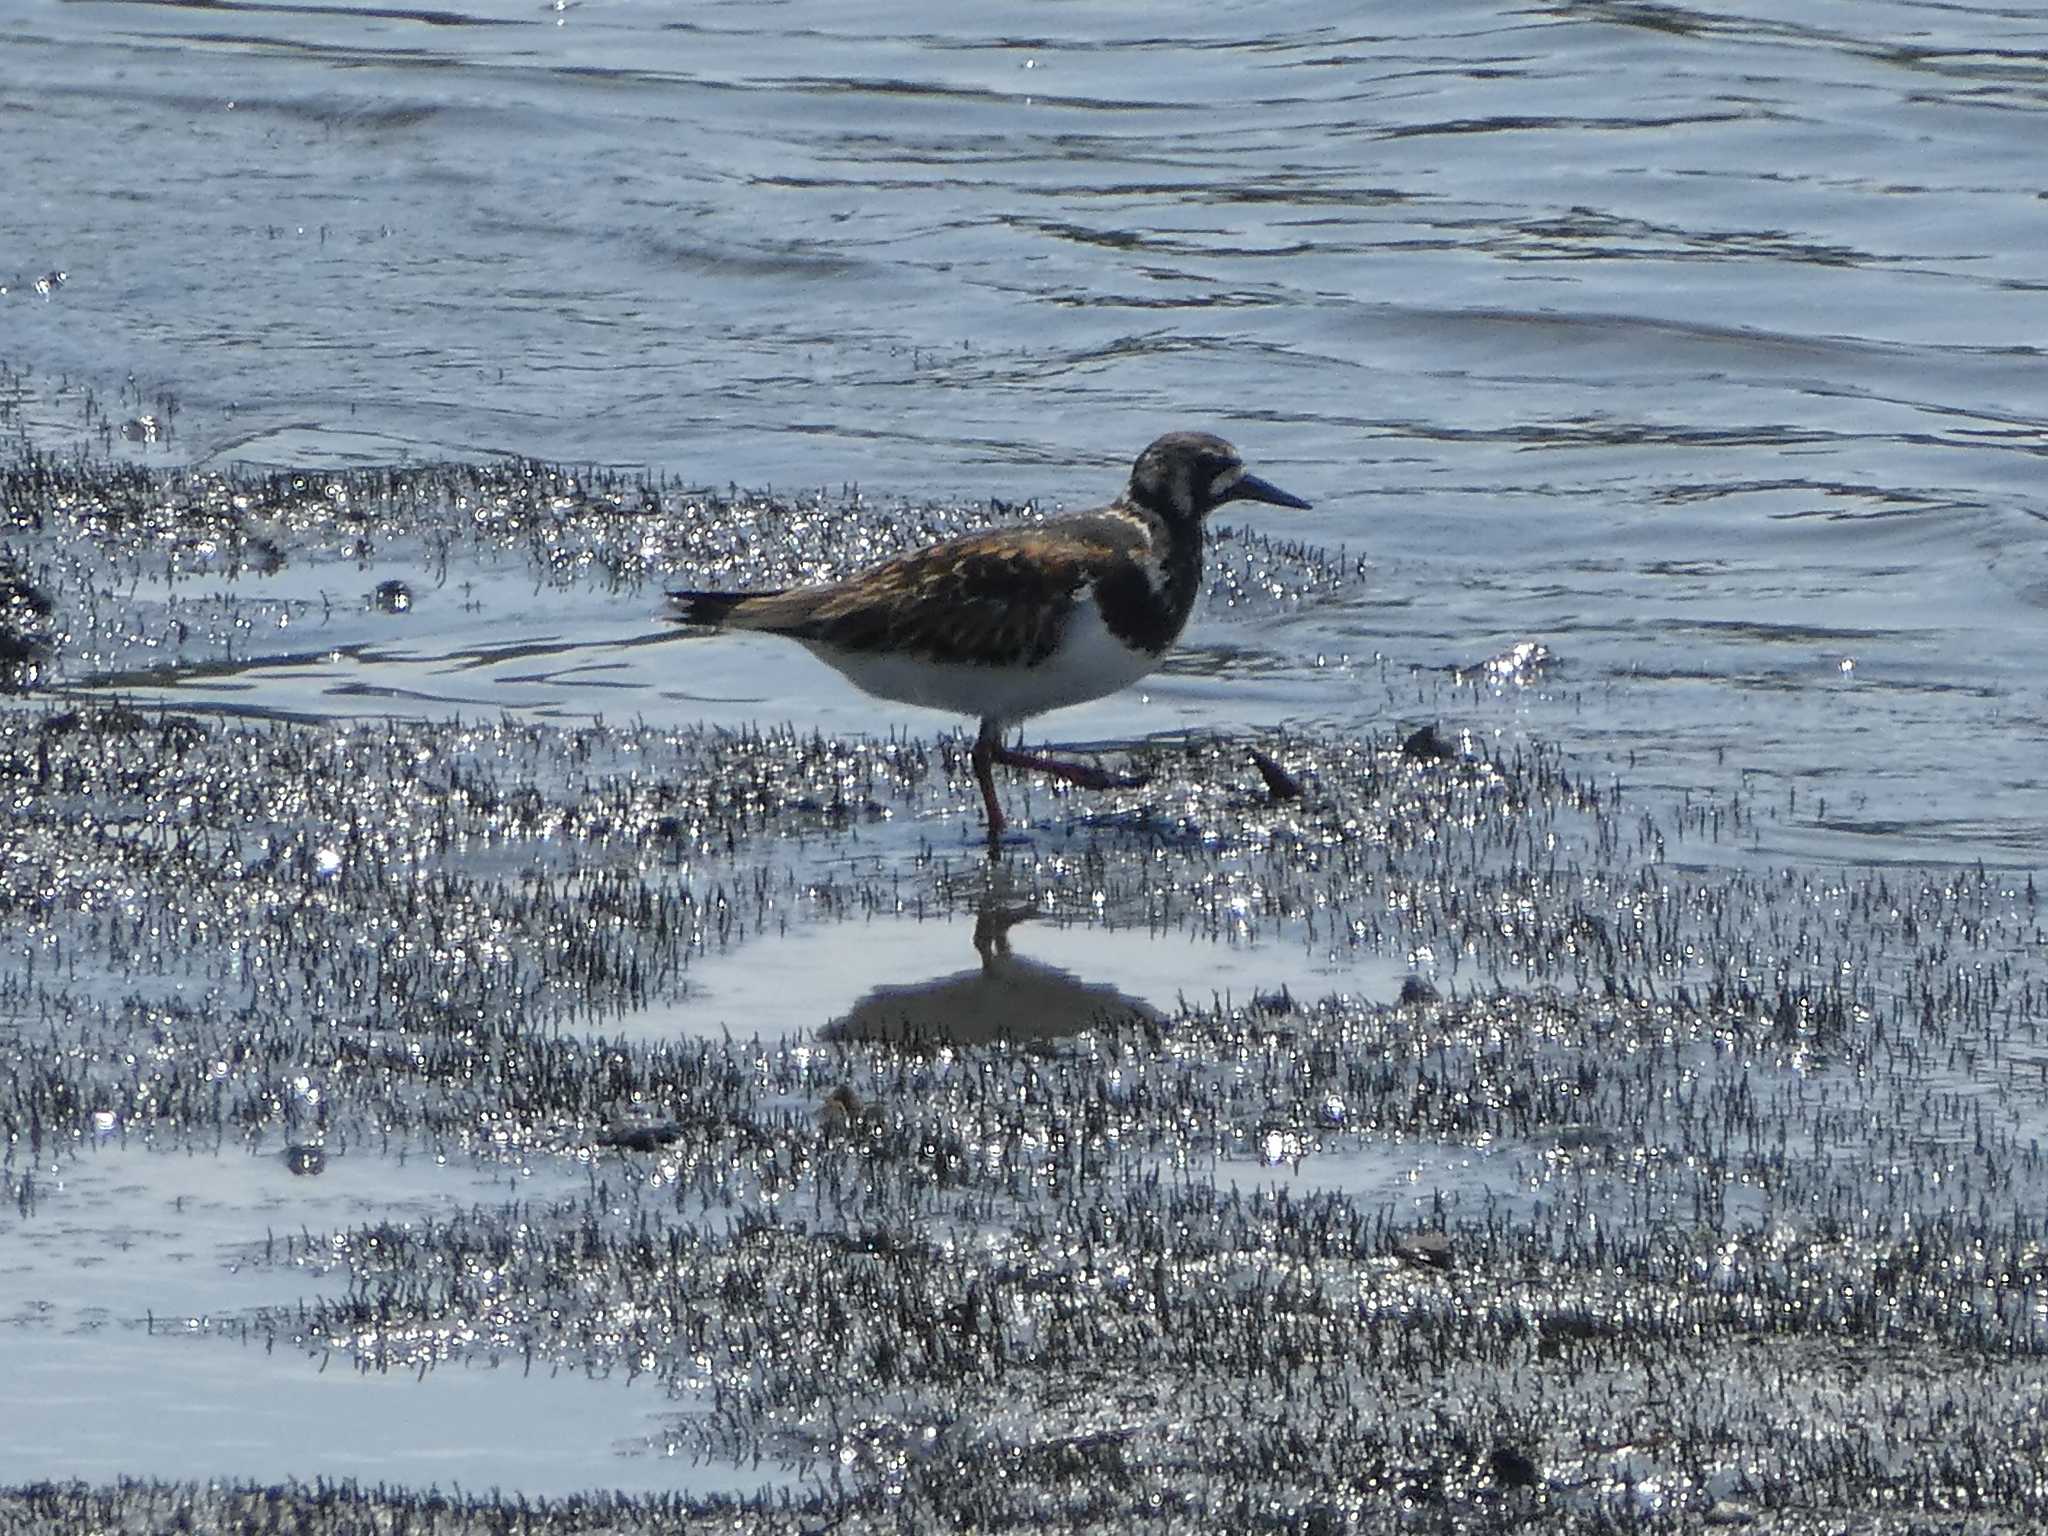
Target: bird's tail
707, 607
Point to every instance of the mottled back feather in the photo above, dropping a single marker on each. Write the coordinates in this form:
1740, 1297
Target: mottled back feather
987, 598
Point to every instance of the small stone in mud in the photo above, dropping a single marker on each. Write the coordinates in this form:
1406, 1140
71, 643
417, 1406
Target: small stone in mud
1427, 1250
392, 597
1417, 993
1426, 746
1513, 1467
1280, 784
306, 1161
640, 1138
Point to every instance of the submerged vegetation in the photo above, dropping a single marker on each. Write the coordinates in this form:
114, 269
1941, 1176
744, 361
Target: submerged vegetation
1678, 1186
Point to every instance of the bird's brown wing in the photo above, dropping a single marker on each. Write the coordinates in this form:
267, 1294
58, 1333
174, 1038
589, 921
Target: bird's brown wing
983, 598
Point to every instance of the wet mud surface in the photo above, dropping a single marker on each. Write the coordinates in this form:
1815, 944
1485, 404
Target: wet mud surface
1358, 1128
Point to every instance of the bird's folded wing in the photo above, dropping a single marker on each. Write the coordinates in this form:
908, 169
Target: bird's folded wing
987, 598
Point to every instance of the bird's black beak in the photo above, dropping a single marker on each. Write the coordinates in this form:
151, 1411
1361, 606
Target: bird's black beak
1252, 488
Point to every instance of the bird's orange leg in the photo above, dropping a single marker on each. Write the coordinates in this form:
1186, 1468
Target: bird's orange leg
1080, 775
983, 758
989, 750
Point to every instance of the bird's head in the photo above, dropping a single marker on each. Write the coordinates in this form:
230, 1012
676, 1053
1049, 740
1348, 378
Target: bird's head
1184, 476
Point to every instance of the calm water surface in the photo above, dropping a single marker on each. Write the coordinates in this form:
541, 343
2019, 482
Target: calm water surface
1701, 346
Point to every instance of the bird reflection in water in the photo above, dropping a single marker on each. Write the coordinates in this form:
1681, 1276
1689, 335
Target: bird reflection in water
1006, 997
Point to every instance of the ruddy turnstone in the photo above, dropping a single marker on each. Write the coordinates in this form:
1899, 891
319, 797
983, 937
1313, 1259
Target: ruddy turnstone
1009, 624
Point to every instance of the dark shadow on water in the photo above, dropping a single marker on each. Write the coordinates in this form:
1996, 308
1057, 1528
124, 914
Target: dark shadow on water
1006, 997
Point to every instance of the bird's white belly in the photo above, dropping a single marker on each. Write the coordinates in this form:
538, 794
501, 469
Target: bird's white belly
1088, 663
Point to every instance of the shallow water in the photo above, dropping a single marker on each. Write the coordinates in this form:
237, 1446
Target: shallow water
129, 1354
1049, 982
1701, 349
121, 1405
503, 978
